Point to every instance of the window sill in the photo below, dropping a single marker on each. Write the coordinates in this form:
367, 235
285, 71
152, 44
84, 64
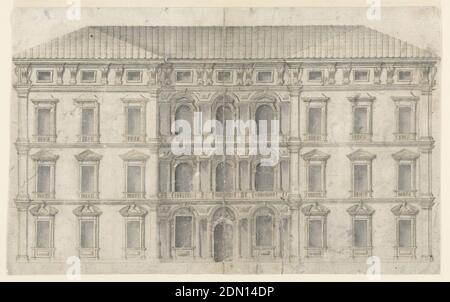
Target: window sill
94, 195
134, 195
135, 139
43, 252
404, 137
44, 195
44, 138
315, 137
88, 252
361, 137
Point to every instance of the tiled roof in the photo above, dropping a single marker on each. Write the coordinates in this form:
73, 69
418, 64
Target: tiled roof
259, 42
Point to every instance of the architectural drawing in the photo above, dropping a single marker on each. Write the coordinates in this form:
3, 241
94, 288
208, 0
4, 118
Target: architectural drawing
96, 175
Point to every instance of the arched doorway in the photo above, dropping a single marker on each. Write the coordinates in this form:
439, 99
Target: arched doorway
223, 242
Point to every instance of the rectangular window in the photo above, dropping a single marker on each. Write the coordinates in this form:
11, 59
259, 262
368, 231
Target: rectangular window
133, 234
404, 75
405, 233
315, 233
134, 121
224, 76
183, 231
184, 76
43, 179
315, 121
43, 234
360, 233
360, 178
134, 179
88, 179
360, 119
134, 76
315, 76
404, 120
263, 230
264, 76
44, 76
88, 122
404, 177
44, 122
315, 178
361, 75
87, 234
88, 76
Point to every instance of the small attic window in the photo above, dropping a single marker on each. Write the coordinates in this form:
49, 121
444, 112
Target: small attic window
88, 76
224, 76
315, 76
184, 76
44, 76
264, 76
134, 76
404, 75
361, 75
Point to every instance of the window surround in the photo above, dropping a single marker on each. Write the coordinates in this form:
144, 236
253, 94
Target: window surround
89, 103
405, 211
134, 213
230, 72
361, 157
89, 213
138, 103
410, 102
42, 71
276, 180
316, 212
318, 80
410, 70
85, 71
367, 71
189, 80
44, 213
262, 251
406, 157
45, 158
316, 102
362, 101
183, 252
361, 211
133, 81
260, 72
49, 104
134, 158
92, 159
318, 158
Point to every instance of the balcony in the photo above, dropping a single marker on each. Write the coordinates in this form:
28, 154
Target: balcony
44, 195
220, 195
89, 195
135, 138
315, 194
361, 194
44, 138
406, 193
89, 138
314, 137
361, 137
134, 195
404, 137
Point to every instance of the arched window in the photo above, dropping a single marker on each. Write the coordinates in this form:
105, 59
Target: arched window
223, 114
264, 113
183, 178
224, 177
184, 113
264, 178
264, 225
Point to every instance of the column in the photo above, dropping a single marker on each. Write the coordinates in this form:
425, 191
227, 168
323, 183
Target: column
152, 119
425, 112
295, 113
294, 233
425, 170
154, 250
294, 170
22, 198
